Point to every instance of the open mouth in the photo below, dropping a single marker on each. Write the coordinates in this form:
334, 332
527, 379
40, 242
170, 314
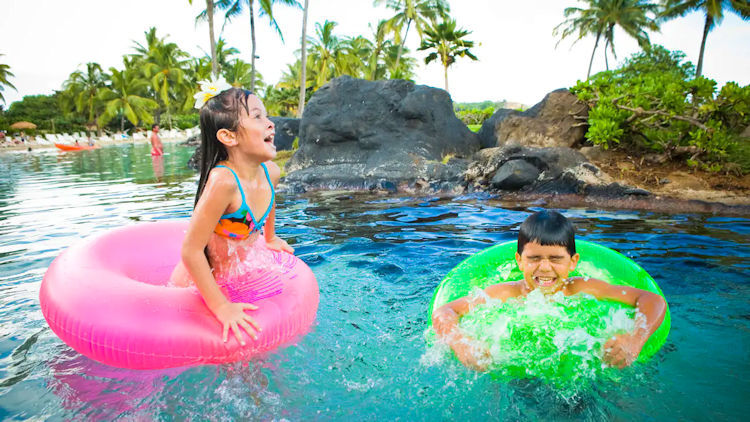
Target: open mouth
269, 139
545, 281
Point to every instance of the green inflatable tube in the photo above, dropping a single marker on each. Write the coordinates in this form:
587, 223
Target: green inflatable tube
498, 264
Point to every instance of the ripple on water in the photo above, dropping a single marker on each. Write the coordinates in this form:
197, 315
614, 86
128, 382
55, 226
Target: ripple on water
378, 260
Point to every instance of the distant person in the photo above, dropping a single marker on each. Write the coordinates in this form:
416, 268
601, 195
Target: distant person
156, 147
91, 141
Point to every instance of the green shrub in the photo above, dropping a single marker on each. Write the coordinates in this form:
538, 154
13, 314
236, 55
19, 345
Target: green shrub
186, 121
475, 116
654, 103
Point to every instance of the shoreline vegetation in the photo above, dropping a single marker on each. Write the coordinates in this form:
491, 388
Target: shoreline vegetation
657, 121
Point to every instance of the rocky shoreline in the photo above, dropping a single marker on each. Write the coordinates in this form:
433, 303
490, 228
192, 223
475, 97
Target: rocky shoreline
395, 136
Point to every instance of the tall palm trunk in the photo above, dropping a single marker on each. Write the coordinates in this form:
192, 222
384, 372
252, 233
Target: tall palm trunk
210, 14
606, 60
706, 28
445, 71
303, 63
252, 42
401, 46
591, 62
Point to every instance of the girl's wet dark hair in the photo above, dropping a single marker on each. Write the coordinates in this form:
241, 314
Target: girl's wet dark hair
547, 228
220, 112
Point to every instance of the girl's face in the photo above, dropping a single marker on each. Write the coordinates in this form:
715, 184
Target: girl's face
255, 131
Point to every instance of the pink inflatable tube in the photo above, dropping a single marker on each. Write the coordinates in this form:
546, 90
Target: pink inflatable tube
107, 298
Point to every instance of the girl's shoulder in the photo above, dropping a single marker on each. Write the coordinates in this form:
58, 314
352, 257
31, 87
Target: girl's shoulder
274, 171
222, 179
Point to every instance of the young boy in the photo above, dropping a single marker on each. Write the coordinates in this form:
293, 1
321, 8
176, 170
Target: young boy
546, 254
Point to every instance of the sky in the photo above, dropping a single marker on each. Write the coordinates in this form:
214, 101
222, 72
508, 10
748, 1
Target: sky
44, 41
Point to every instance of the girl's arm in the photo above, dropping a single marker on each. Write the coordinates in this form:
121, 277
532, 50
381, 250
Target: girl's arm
214, 201
269, 230
623, 349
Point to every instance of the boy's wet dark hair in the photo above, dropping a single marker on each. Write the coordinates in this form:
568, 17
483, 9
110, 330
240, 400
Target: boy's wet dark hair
220, 112
547, 228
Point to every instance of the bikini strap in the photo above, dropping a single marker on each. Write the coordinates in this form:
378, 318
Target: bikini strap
239, 185
268, 177
262, 220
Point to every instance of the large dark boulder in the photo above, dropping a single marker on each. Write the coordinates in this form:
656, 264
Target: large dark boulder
557, 121
286, 130
360, 134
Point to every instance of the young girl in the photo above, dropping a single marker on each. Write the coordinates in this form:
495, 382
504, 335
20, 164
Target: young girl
235, 200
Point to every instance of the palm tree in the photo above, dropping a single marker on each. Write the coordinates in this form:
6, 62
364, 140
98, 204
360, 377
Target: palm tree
163, 64
208, 14
223, 53
448, 43
81, 91
419, 12
236, 7
122, 98
714, 11
5, 75
237, 73
405, 69
601, 17
380, 44
303, 66
327, 52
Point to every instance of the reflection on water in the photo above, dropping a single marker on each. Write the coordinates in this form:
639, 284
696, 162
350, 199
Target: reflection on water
378, 260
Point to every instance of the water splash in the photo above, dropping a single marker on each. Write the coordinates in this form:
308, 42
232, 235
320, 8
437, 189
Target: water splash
555, 338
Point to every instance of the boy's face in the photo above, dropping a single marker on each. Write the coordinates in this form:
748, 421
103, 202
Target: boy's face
545, 267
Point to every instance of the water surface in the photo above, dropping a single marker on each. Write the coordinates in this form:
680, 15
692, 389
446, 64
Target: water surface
378, 260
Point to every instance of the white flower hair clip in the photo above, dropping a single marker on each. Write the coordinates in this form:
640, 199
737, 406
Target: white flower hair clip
209, 89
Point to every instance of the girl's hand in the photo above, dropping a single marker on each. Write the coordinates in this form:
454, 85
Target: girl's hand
622, 350
232, 316
279, 244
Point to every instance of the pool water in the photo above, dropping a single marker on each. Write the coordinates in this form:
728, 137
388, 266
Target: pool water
377, 260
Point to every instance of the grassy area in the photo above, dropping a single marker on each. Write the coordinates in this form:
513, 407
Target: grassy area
474, 128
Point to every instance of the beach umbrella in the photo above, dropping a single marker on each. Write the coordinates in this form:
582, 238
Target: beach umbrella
23, 125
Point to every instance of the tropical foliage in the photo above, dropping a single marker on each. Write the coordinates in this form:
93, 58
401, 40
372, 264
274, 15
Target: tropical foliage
713, 11
421, 13
448, 44
654, 103
330, 55
600, 18
234, 8
5, 75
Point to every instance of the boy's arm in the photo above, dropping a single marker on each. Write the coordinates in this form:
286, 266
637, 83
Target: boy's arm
445, 322
622, 350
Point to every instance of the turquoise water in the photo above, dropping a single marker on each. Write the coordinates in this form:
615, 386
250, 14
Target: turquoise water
378, 260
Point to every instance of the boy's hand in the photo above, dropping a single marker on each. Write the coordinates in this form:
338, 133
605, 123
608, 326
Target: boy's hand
473, 356
622, 350
279, 244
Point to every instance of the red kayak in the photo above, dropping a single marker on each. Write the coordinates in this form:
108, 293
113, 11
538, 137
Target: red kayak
66, 147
